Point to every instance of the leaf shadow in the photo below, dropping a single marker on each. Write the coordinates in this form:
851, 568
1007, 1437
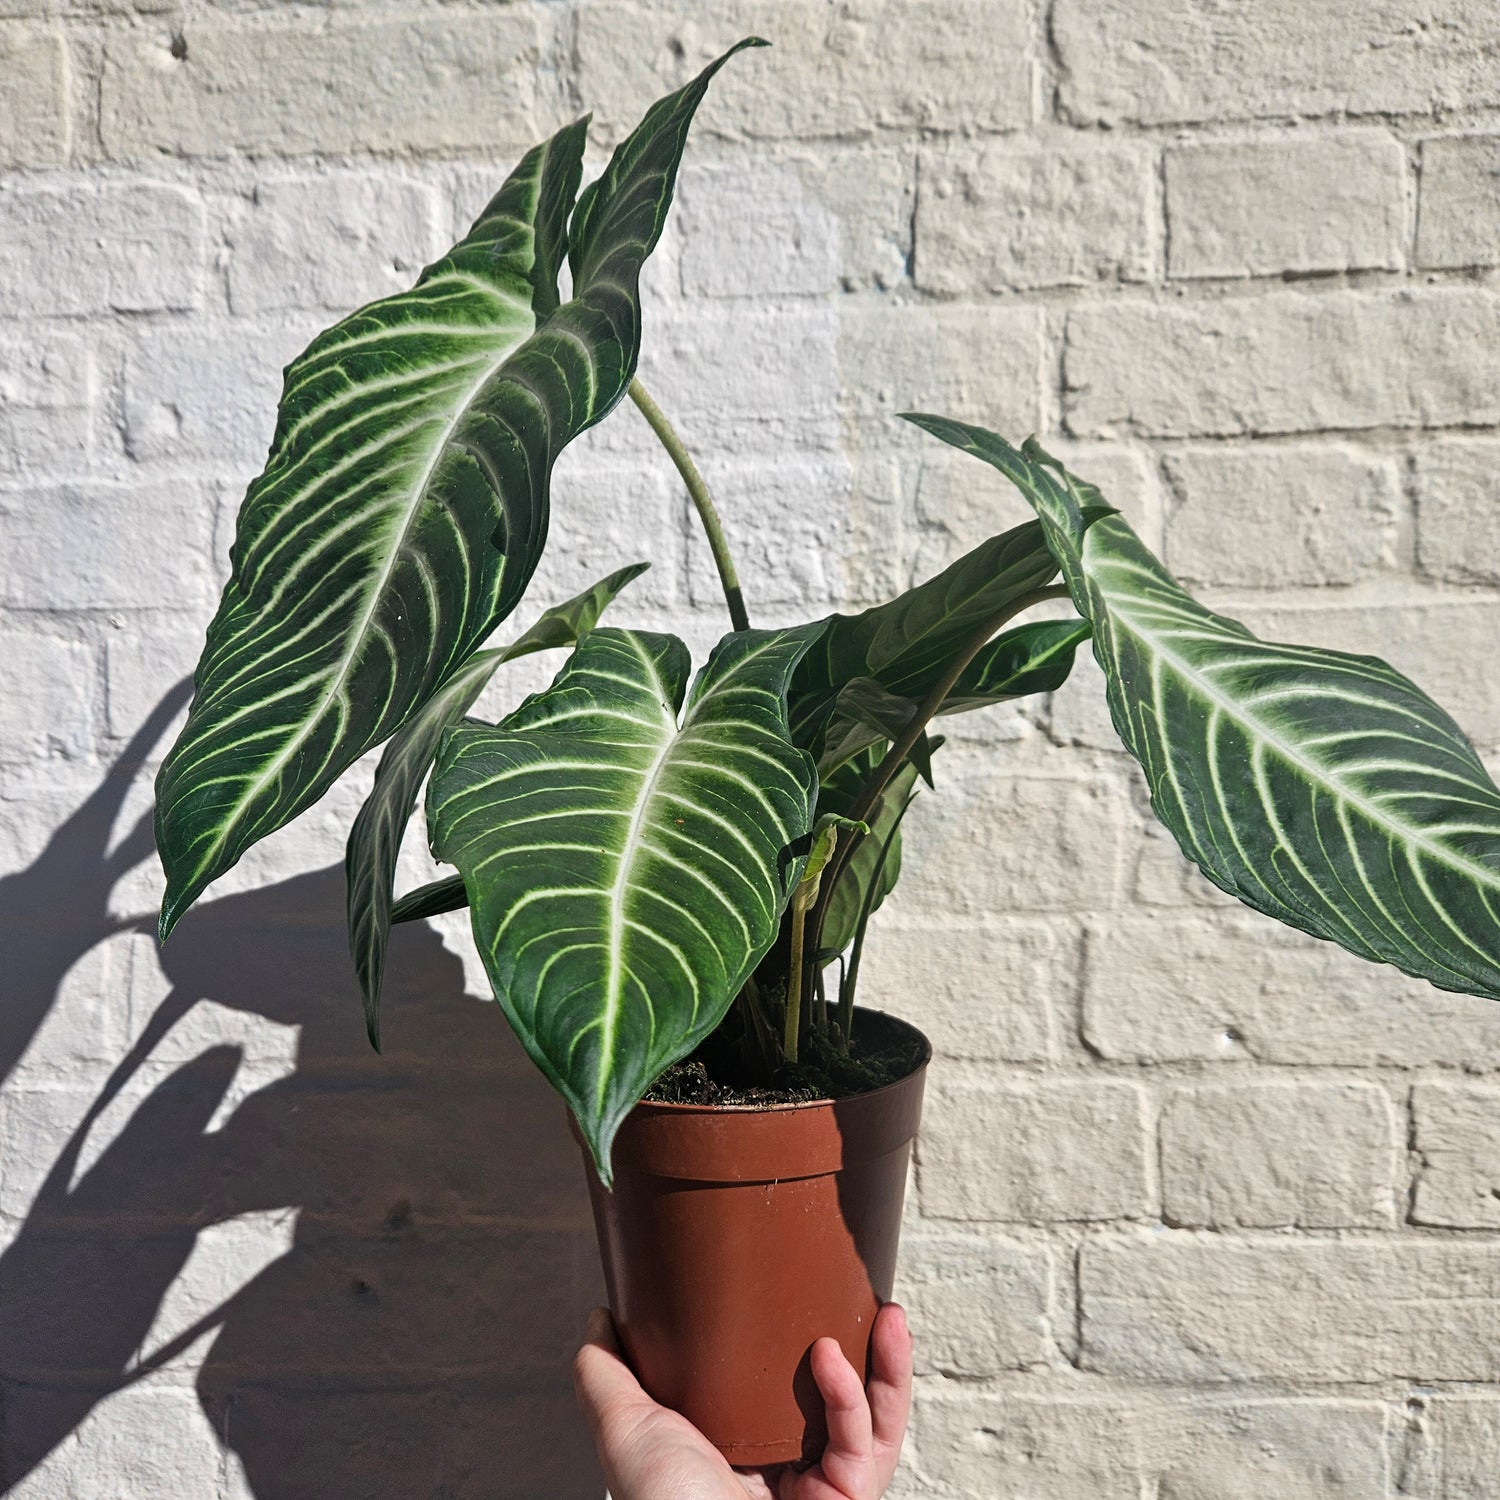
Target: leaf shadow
414, 1338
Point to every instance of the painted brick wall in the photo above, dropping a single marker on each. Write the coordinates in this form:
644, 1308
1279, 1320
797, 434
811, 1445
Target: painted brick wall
1203, 1210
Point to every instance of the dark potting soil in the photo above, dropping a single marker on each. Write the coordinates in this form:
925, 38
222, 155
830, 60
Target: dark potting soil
883, 1052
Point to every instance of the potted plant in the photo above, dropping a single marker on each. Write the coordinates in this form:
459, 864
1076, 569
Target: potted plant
663, 870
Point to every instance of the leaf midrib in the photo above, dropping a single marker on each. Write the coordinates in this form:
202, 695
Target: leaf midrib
634, 835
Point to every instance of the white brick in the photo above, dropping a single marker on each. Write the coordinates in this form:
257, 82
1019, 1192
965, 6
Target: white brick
943, 980
142, 663
789, 523
45, 403
1295, 1450
49, 697
1316, 1155
1467, 1429
979, 364
1234, 985
1182, 1307
1457, 1142
800, 224
335, 242
846, 71
1167, 60
1023, 1448
36, 123
149, 1440
1042, 1152
754, 231
1458, 213
1278, 517
869, 193
977, 1307
750, 379
605, 515
207, 395
66, 980
1285, 362
135, 248
1293, 203
426, 82
106, 546
1458, 510
996, 218
956, 863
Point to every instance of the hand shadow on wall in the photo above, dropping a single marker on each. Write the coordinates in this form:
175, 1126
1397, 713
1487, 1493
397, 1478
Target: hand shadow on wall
415, 1338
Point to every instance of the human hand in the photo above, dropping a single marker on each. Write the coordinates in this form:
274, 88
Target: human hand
651, 1453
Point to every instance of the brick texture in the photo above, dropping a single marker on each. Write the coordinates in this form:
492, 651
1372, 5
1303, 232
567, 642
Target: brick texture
1203, 1209
1265, 207
1458, 215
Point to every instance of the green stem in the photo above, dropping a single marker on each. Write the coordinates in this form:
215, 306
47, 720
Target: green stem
902, 747
707, 514
791, 1032
850, 979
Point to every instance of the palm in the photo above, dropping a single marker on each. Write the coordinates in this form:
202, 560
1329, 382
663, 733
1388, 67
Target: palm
652, 1453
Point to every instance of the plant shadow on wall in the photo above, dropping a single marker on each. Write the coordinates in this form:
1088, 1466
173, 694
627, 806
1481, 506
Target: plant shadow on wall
414, 1339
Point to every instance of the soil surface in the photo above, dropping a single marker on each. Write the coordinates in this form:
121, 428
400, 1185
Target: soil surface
883, 1052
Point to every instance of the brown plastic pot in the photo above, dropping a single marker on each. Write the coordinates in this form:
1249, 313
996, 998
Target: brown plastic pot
736, 1237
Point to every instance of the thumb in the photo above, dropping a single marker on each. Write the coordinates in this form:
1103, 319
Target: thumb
600, 1376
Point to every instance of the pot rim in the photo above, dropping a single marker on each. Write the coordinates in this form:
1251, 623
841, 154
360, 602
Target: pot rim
671, 1107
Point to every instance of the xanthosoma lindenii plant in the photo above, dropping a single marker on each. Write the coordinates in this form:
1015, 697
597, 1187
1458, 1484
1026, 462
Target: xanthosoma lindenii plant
651, 857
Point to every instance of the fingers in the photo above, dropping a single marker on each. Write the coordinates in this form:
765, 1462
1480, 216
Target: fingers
600, 1376
849, 1459
890, 1378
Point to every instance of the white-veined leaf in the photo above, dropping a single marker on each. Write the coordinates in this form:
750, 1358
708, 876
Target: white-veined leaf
375, 837
1324, 789
403, 507
626, 872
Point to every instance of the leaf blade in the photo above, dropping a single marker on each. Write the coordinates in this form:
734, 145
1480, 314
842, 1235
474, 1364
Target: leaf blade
625, 870
1323, 789
404, 503
374, 843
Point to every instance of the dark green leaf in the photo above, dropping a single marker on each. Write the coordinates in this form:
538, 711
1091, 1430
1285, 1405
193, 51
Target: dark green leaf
404, 504
905, 645
431, 900
1324, 789
865, 714
623, 870
867, 877
375, 839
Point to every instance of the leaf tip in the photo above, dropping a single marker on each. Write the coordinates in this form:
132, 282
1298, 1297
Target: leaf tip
174, 906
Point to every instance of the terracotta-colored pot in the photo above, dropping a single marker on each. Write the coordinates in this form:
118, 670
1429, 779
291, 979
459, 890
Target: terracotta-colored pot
736, 1237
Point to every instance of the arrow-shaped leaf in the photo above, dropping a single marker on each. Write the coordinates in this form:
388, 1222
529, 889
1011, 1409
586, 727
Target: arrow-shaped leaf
623, 870
375, 838
403, 507
1324, 789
